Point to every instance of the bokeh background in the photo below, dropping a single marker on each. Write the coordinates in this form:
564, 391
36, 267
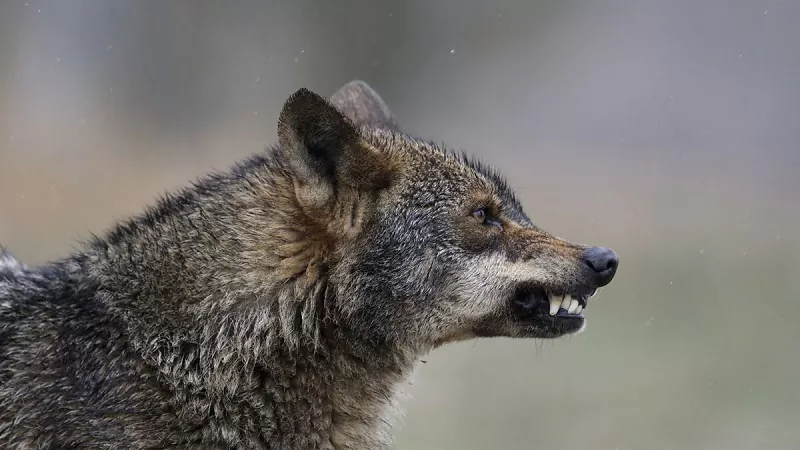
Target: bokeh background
665, 130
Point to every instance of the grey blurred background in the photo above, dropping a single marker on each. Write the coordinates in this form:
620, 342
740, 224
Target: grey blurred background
665, 130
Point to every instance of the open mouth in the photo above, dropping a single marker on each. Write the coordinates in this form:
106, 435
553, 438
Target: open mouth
556, 305
540, 312
566, 305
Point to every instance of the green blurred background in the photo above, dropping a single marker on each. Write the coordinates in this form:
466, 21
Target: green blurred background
665, 130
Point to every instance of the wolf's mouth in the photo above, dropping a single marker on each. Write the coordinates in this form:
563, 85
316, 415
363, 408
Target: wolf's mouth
556, 305
540, 312
564, 305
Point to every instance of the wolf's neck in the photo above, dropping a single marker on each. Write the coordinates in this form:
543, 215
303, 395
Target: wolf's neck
367, 399
222, 292
343, 391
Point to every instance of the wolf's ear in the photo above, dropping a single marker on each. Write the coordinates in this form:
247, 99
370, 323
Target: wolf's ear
361, 104
326, 148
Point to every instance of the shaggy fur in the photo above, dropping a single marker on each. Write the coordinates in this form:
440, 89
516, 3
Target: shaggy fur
283, 303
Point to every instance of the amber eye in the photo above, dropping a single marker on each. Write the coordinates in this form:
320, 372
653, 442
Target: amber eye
484, 217
480, 215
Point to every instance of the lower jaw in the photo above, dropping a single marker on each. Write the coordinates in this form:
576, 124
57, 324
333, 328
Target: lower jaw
456, 337
548, 328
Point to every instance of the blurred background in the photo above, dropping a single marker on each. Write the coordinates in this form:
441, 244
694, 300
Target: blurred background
667, 131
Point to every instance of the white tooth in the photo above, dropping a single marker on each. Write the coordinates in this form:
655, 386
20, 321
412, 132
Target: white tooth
579, 309
565, 303
555, 303
573, 306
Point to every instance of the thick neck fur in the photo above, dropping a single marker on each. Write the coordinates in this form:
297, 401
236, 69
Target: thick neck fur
225, 290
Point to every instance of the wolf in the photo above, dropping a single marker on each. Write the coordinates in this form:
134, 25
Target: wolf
282, 303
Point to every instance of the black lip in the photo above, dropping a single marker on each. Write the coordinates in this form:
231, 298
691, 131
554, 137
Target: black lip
562, 314
530, 298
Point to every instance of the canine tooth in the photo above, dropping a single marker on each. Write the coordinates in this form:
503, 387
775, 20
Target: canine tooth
565, 303
579, 309
573, 306
555, 303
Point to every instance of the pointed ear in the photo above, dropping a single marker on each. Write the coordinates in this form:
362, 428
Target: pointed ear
361, 104
326, 149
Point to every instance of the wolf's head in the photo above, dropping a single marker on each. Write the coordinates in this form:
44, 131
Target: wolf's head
427, 246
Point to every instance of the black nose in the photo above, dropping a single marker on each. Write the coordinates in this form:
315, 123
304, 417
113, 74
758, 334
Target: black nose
603, 262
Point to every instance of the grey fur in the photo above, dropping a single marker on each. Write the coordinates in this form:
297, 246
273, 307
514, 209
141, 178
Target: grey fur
10, 270
281, 304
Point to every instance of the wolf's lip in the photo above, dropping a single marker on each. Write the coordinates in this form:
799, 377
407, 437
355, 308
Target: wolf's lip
568, 305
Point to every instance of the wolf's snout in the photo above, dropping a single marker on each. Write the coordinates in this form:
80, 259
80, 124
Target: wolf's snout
603, 262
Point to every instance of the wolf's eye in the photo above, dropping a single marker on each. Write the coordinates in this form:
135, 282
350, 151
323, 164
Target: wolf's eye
484, 217
480, 215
